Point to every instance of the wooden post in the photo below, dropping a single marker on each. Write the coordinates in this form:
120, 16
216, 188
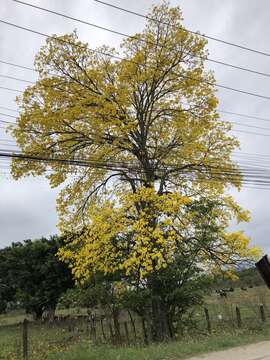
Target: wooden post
144, 332
207, 317
126, 331
133, 325
238, 317
262, 313
25, 339
18, 350
111, 332
88, 327
93, 329
70, 325
102, 329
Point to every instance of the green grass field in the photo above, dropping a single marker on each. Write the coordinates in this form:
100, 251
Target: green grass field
177, 350
59, 342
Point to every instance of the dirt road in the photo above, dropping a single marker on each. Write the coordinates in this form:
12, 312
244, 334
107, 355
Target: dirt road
259, 351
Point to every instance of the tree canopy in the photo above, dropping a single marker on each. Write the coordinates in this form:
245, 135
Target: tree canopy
33, 275
148, 127
154, 154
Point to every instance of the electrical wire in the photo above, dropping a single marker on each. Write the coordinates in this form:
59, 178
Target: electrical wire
10, 89
111, 163
187, 30
243, 115
17, 65
15, 78
251, 176
232, 122
123, 59
132, 37
9, 109
263, 119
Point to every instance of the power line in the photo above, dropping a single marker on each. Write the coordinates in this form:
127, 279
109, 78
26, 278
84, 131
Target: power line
252, 154
11, 116
250, 132
130, 36
232, 122
15, 78
246, 183
249, 158
219, 110
112, 163
17, 65
7, 140
9, 109
249, 126
10, 89
251, 176
123, 59
187, 30
244, 115
8, 122
259, 165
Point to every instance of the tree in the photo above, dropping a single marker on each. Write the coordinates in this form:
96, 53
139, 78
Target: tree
246, 277
34, 274
156, 155
178, 287
7, 289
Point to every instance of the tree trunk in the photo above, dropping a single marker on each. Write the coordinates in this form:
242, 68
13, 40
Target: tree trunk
37, 313
49, 314
160, 327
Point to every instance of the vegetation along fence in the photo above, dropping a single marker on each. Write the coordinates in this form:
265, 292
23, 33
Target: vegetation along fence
32, 340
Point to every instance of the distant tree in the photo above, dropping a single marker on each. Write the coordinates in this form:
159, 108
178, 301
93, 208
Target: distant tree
7, 288
249, 277
245, 277
33, 275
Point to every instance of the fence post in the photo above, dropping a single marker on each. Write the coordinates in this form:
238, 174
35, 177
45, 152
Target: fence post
126, 331
207, 317
102, 329
25, 339
18, 350
133, 325
262, 313
144, 332
88, 327
238, 317
93, 329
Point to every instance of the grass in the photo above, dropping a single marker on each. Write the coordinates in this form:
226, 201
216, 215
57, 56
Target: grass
46, 340
172, 351
43, 340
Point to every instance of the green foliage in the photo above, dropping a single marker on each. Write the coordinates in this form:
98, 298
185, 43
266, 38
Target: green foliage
247, 277
33, 275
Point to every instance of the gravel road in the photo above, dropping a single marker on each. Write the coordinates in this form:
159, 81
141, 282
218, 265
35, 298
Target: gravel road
259, 351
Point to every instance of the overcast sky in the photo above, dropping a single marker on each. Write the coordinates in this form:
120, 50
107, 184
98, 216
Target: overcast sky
27, 207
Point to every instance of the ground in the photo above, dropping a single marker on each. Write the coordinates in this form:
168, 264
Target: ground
258, 351
54, 342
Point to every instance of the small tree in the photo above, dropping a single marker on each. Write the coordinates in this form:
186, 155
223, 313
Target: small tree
7, 288
35, 274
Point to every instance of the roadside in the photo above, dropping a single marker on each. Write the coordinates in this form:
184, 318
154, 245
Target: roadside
204, 348
258, 351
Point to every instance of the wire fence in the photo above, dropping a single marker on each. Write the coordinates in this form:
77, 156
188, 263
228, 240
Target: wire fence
35, 340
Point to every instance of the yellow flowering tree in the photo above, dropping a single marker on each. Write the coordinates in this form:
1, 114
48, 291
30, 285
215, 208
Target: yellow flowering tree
155, 156
142, 233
